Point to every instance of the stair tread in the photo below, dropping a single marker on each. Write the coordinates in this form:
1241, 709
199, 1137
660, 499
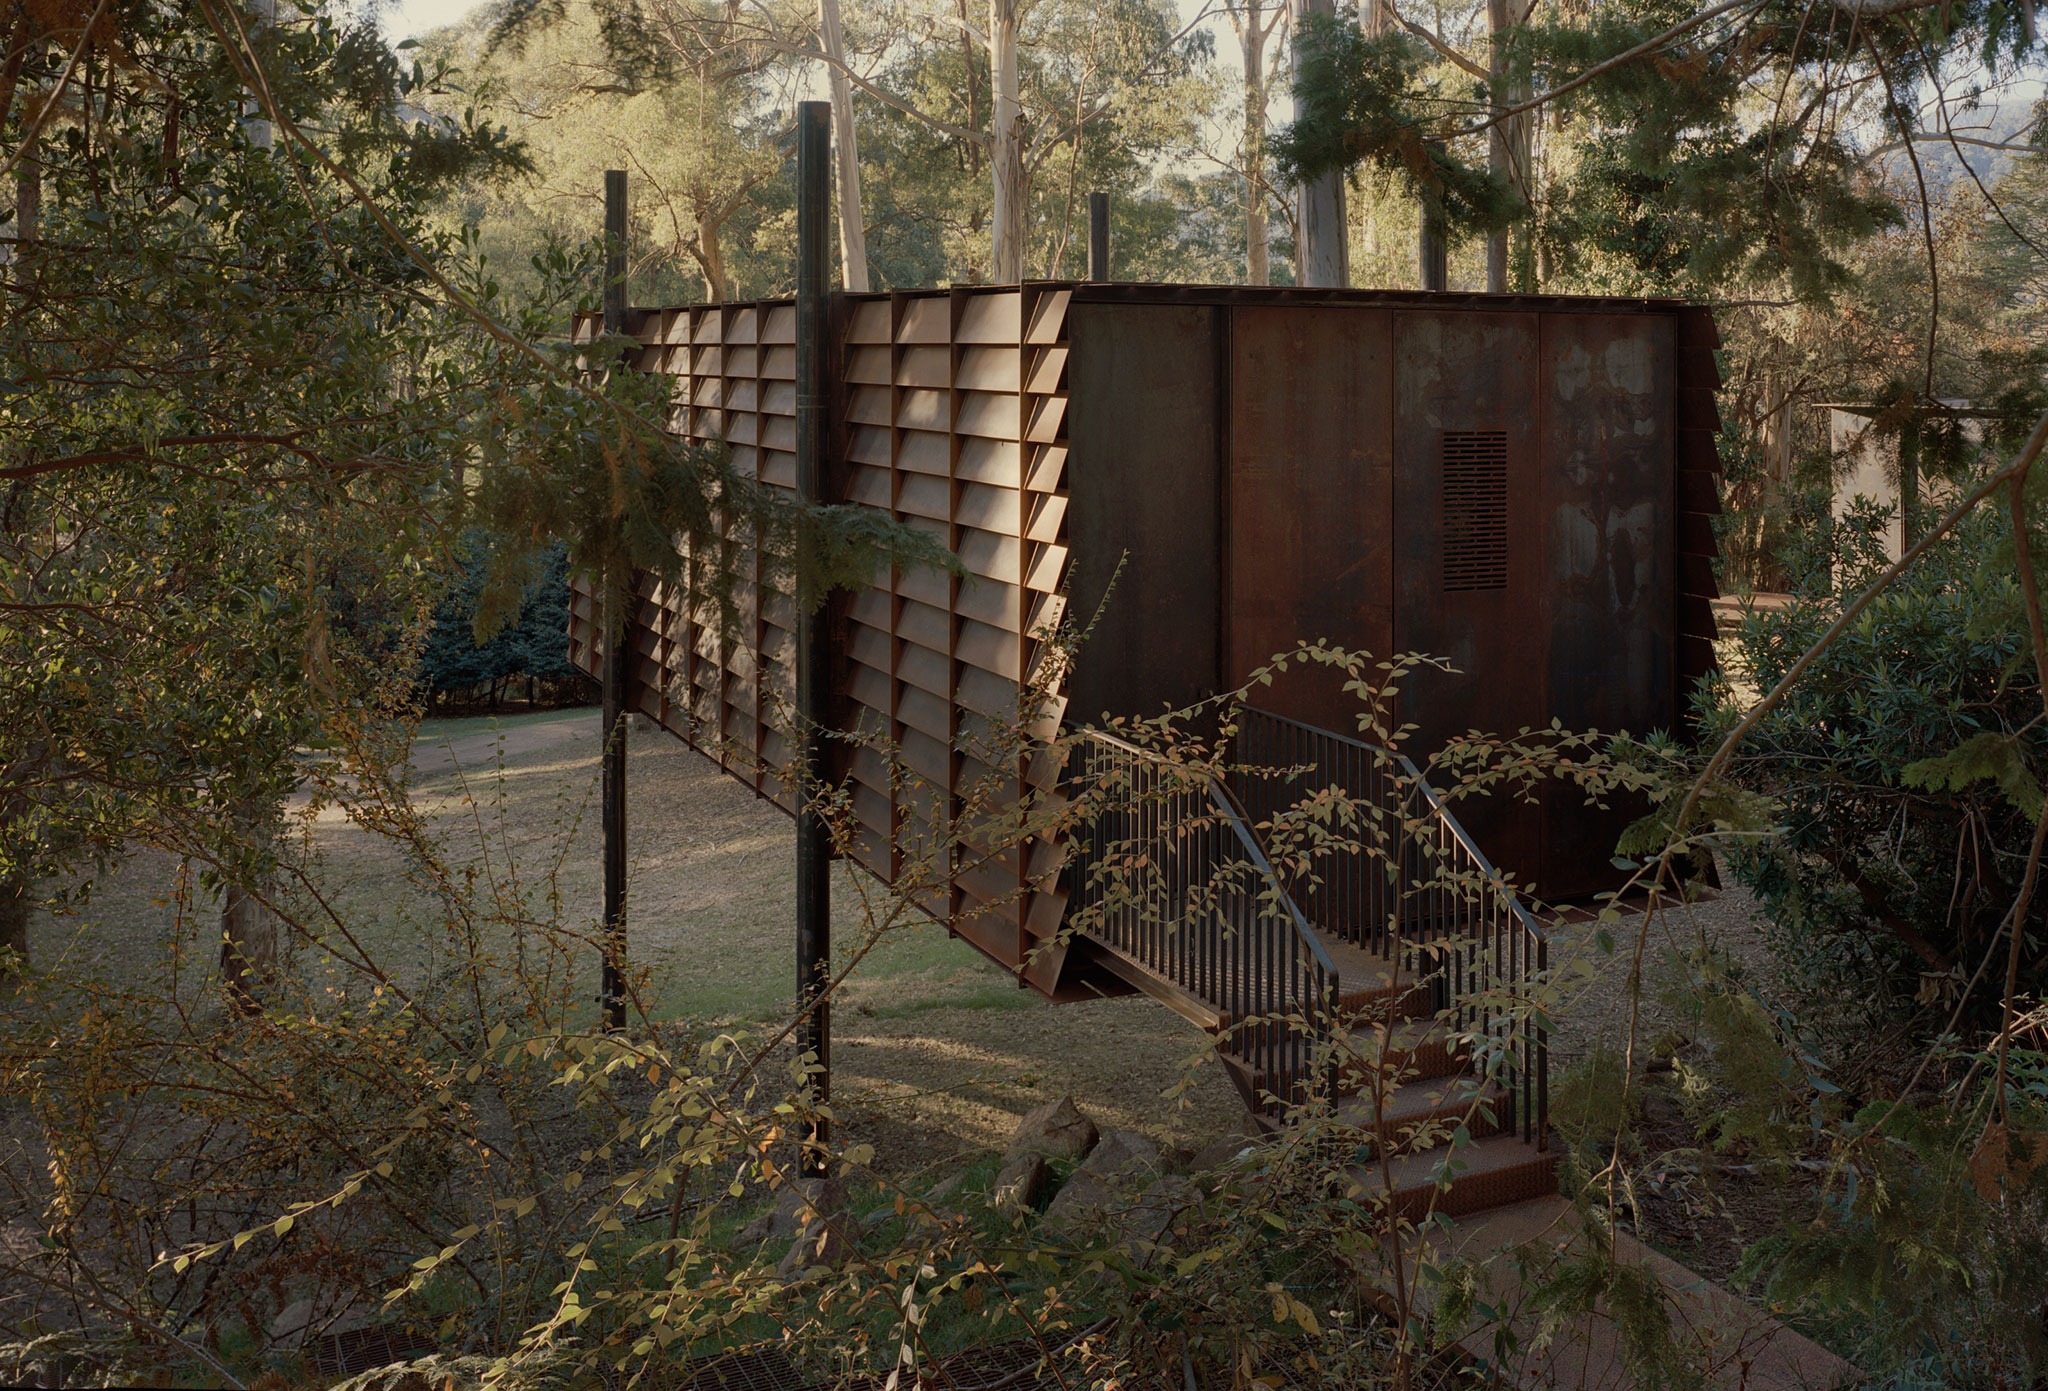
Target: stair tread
1417, 1171
1413, 1048
1423, 1097
1358, 968
1404, 1039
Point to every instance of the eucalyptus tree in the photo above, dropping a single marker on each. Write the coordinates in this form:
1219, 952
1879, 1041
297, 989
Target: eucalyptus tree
1260, 27
991, 187
693, 120
244, 389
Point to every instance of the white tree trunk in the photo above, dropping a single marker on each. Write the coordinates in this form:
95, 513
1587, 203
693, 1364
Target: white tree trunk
256, 124
1321, 256
1006, 148
1499, 157
1251, 35
853, 239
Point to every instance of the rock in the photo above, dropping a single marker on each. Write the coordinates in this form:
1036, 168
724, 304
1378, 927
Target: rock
1120, 1164
1218, 1153
303, 1318
827, 1240
793, 1205
1056, 1130
1150, 1221
1019, 1185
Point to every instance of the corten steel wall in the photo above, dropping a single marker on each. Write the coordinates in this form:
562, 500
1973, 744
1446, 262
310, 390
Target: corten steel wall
1521, 485
948, 413
1525, 485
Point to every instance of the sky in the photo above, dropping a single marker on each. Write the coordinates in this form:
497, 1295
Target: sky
408, 19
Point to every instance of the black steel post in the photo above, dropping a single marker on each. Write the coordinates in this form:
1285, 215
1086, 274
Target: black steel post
1098, 236
617, 641
813, 641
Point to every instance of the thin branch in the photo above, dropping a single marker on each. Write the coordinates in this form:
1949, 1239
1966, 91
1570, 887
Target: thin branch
1647, 46
1065, 133
1438, 42
1936, 137
2037, 635
35, 131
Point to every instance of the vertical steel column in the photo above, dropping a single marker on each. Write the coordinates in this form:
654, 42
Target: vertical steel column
813, 640
1098, 236
617, 640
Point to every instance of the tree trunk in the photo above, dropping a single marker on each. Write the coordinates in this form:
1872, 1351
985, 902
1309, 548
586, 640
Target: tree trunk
1006, 148
1258, 268
248, 950
711, 258
853, 239
1321, 255
14, 910
1499, 156
248, 932
28, 204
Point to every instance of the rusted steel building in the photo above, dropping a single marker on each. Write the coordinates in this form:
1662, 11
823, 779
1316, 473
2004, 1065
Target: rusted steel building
1522, 485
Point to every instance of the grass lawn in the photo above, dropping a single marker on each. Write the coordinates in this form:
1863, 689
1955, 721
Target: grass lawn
936, 1048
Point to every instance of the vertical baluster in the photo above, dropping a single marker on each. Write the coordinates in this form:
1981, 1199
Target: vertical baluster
1355, 857
1145, 930
1542, 1056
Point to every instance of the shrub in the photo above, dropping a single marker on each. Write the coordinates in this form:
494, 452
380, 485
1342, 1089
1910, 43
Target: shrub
455, 668
1906, 772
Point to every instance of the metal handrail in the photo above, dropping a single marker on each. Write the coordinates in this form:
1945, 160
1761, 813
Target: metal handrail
1483, 945
1174, 882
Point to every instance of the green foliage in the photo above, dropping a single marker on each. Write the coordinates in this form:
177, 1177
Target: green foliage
1369, 100
533, 644
1758, 1087
222, 387
1906, 766
1938, 1279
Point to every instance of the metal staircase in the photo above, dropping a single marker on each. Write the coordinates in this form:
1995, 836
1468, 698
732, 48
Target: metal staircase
1325, 916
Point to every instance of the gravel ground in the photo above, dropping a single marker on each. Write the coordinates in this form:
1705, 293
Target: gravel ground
1597, 1000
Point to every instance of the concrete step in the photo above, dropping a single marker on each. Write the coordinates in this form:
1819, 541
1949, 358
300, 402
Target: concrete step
1455, 1181
1426, 1112
1726, 1340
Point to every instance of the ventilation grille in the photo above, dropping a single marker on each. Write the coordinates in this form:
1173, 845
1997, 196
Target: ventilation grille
1475, 509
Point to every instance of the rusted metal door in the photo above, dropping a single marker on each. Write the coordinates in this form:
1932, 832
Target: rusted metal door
1310, 554
1469, 564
